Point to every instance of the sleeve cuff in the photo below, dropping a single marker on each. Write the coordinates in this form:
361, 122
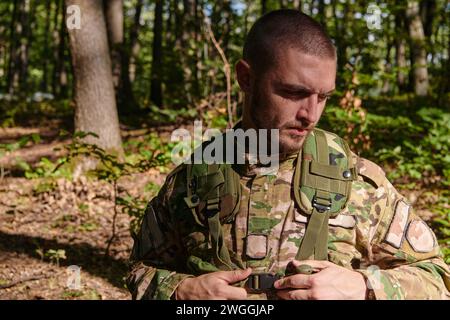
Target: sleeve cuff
166, 288
380, 285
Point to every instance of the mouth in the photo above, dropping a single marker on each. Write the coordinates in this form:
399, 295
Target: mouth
296, 131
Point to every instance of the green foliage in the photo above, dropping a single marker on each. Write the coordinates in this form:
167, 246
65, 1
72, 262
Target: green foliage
71, 294
56, 255
441, 223
33, 113
138, 152
427, 153
152, 188
88, 226
171, 115
46, 169
133, 207
44, 186
416, 147
16, 145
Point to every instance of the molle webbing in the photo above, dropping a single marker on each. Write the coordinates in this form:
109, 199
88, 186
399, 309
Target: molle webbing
207, 186
322, 191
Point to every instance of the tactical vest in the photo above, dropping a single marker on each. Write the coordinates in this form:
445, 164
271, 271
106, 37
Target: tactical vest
322, 184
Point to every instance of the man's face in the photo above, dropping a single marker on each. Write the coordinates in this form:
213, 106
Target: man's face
289, 96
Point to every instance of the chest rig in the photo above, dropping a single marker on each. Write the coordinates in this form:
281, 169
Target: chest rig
322, 185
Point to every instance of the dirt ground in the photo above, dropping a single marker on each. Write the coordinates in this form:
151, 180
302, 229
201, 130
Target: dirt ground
76, 217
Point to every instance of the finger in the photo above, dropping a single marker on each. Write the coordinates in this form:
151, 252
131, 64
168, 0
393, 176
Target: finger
233, 293
235, 275
302, 294
316, 264
296, 281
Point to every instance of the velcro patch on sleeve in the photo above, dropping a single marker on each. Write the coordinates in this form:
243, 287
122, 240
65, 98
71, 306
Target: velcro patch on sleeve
256, 246
420, 237
397, 228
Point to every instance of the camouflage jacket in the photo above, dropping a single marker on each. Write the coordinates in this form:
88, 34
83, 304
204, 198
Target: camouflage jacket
378, 234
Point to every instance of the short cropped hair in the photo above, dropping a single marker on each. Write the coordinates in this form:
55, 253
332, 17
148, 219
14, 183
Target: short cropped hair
283, 29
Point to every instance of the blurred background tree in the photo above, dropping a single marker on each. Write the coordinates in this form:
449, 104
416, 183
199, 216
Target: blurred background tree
168, 61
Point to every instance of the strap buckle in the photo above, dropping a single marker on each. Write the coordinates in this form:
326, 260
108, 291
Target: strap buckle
321, 204
261, 282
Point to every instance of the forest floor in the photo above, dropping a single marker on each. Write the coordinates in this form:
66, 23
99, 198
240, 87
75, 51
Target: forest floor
45, 230
77, 217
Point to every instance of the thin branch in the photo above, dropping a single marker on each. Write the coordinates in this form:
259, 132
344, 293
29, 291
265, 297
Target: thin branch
19, 281
226, 68
114, 220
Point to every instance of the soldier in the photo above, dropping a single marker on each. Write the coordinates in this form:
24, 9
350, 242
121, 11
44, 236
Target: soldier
326, 225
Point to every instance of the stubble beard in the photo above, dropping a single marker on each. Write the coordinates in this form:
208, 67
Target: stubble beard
262, 118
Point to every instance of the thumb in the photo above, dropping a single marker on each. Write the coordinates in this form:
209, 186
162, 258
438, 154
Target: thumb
236, 275
316, 264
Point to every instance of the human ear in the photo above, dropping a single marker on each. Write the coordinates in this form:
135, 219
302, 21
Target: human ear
243, 75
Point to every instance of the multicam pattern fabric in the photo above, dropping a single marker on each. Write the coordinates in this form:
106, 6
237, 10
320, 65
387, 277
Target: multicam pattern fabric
397, 253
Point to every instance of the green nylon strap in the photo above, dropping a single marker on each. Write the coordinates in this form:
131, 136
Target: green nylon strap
315, 240
220, 250
212, 177
297, 178
209, 182
307, 249
215, 228
189, 199
322, 147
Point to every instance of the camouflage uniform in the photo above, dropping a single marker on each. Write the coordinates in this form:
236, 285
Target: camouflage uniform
377, 234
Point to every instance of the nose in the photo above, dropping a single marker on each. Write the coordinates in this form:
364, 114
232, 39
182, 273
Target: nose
308, 110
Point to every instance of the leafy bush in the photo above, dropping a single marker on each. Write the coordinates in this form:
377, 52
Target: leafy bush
416, 147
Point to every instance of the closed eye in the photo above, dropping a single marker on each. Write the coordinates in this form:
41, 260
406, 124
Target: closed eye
295, 95
323, 97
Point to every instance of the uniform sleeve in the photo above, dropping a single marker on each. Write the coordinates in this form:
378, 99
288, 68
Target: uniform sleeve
401, 256
157, 253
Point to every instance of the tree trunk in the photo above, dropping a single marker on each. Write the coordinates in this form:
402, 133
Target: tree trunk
114, 23
340, 26
61, 61
95, 109
322, 13
56, 45
15, 29
156, 75
46, 51
228, 12
428, 15
417, 45
126, 100
25, 39
428, 12
263, 7
188, 62
400, 51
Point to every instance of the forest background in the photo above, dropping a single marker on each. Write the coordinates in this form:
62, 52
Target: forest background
91, 90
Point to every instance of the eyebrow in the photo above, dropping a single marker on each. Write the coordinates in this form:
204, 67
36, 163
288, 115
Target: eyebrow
300, 88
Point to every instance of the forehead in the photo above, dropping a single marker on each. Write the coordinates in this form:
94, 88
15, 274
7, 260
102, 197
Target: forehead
292, 66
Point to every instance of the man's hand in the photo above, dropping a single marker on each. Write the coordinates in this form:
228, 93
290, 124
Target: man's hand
213, 286
331, 282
